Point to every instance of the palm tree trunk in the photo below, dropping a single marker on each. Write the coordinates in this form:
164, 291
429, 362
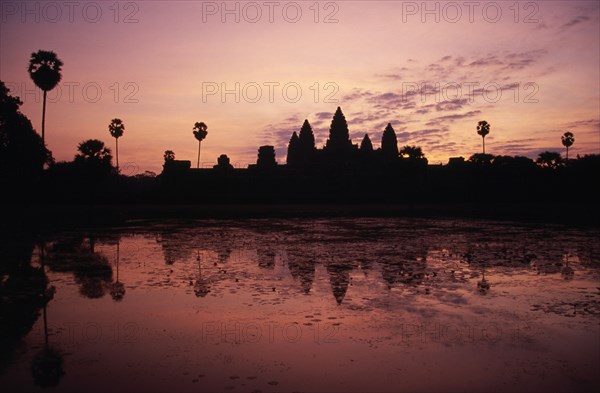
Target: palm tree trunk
567, 153
44, 120
483, 145
199, 146
117, 140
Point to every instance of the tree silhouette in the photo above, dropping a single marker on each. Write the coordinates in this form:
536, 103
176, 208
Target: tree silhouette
549, 159
481, 159
200, 133
389, 143
116, 128
483, 128
169, 155
93, 150
413, 153
94, 158
567, 140
44, 69
22, 152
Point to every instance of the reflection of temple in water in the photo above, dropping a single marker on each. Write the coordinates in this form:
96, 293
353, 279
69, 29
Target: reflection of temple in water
302, 268
339, 278
266, 258
405, 263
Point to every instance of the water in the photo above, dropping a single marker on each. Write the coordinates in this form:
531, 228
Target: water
303, 305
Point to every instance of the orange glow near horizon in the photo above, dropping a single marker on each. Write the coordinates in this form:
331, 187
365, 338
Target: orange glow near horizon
154, 62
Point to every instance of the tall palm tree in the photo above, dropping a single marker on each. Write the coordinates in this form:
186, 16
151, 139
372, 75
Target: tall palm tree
200, 133
116, 128
567, 140
483, 128
44, 69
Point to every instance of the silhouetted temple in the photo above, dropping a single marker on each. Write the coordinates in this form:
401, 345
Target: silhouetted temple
339, 151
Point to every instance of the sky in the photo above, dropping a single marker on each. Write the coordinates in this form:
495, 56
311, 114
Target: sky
253, 71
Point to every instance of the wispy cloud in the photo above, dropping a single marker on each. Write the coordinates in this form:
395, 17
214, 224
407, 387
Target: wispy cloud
575, 21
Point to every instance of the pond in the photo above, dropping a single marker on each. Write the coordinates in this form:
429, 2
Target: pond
305, 305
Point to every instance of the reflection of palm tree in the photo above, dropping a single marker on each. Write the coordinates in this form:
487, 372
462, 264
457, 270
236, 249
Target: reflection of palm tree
483, 286
117, 289
44, 69
201, 287
47, 366
567, 271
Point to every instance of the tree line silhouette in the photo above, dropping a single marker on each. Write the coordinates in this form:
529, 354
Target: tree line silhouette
340, 171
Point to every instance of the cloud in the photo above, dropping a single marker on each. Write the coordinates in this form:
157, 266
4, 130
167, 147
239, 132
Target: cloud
424, 135
518, 61
323, 116
575, 21
451, 118
492, 60
389, 76
593, 123
451, 105
357, 94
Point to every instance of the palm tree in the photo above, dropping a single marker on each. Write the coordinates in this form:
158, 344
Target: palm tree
44, 69
116, 128
483, 128
200, 133
567, 140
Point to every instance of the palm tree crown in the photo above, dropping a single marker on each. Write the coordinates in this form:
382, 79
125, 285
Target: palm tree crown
200, 131
567, 140
44, 69
116, 128
483, 128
